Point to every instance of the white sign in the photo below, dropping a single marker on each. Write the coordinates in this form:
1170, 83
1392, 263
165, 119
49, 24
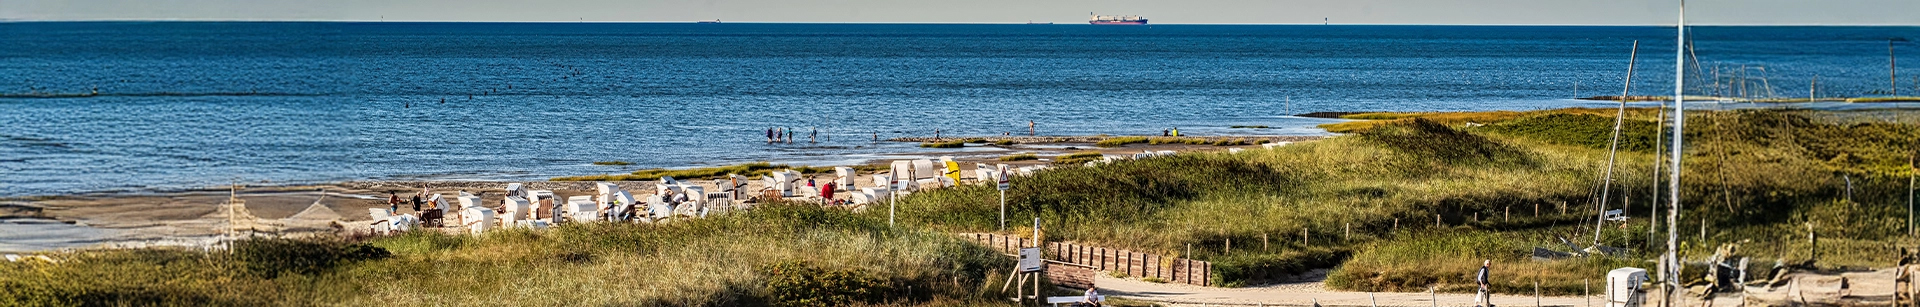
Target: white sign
1030, 260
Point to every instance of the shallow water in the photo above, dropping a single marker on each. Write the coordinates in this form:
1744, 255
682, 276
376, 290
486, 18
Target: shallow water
195, 104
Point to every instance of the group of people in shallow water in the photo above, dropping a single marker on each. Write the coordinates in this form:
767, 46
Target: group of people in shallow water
785, 135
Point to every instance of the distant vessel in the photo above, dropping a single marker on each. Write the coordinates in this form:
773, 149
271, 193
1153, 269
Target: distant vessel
1117, 20
708, 21
1039, 23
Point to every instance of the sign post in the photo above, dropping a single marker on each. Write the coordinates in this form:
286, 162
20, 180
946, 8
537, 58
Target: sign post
1004, 185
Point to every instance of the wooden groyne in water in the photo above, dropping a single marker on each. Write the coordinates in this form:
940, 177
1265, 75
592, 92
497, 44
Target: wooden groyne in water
1097, 138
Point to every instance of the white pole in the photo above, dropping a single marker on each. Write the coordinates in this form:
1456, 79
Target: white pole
1679, 122
1619, 119
1036, 232
1003, 210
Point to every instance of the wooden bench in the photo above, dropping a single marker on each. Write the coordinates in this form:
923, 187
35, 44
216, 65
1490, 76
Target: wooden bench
1060, 300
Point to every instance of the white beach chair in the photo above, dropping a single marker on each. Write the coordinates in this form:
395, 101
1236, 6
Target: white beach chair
582, 209
1164, 153
605, 191
846, 179
477, 219
658, 208
515, 210
382, 222
439, 202
1270, 146
1234, 150
469, 201
516, 189
783, 181
403, 222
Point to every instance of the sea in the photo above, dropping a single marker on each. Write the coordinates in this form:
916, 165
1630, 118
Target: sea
89, 107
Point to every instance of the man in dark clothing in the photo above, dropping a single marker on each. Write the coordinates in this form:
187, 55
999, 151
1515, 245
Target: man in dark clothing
416, 202
1485, 297
769, 135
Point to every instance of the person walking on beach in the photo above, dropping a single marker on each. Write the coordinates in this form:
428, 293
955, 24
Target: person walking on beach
416, 203
1485, 296
393, 202
1030, 128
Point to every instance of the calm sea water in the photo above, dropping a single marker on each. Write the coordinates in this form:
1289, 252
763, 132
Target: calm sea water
187, 104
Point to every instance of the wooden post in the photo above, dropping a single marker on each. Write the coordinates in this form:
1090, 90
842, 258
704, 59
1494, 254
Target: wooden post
1586, 286
1536, 293
1396, 223
1508, 216
1303, 236
1349, 236
1536, 209
1436, 221
1229, 245
1263, 242
1435, 298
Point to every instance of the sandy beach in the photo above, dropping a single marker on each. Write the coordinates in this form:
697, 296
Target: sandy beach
195, 218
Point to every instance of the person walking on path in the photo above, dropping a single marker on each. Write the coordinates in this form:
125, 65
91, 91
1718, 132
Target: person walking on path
1484, 297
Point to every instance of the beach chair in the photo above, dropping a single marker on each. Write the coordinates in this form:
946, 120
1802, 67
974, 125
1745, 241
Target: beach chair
1139, 156
477, 219
582, 209
658, 208
1164, 153
951, 170
846, 179
924, 169
403, 222
605, 191
382, 222
514, 210
621, 208
783, 181
438, 202
469, 201
516, 189
1271, 146
1234, 150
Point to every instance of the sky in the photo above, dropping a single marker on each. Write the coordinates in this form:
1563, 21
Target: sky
1531, 12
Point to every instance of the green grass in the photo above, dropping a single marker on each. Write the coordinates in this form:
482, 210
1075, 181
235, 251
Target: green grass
947, 144
1120, 141
1019, 157
780, 255
754, 169
1077, 158
1756, 175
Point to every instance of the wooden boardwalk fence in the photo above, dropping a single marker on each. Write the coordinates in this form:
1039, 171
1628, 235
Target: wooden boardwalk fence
1136, 264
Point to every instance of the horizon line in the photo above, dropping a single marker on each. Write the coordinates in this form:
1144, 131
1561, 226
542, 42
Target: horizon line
947, 23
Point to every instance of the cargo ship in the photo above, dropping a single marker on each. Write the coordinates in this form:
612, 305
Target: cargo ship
1117, 20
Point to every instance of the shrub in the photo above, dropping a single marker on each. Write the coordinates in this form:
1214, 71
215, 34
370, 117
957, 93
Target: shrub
1004, 143
799, 283
949, 144
1237, 270
1077, 158
1120, 141
272, 257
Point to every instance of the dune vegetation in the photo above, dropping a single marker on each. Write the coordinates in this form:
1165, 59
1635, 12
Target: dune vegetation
1414, 200
779, 255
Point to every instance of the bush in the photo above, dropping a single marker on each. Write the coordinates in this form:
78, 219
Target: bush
800, 283
1236, 270
950, 144
1120, 141
1077, 158
272, 257
1004, 143
1019, 157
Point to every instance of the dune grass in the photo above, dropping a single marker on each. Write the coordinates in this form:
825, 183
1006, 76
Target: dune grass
1120, 141
1019, 157
780, 255
1524, 179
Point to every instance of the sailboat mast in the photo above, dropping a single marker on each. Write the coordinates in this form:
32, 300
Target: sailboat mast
1679, 122
1613, 147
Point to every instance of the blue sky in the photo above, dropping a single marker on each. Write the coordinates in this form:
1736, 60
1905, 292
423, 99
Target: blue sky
1631, 12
